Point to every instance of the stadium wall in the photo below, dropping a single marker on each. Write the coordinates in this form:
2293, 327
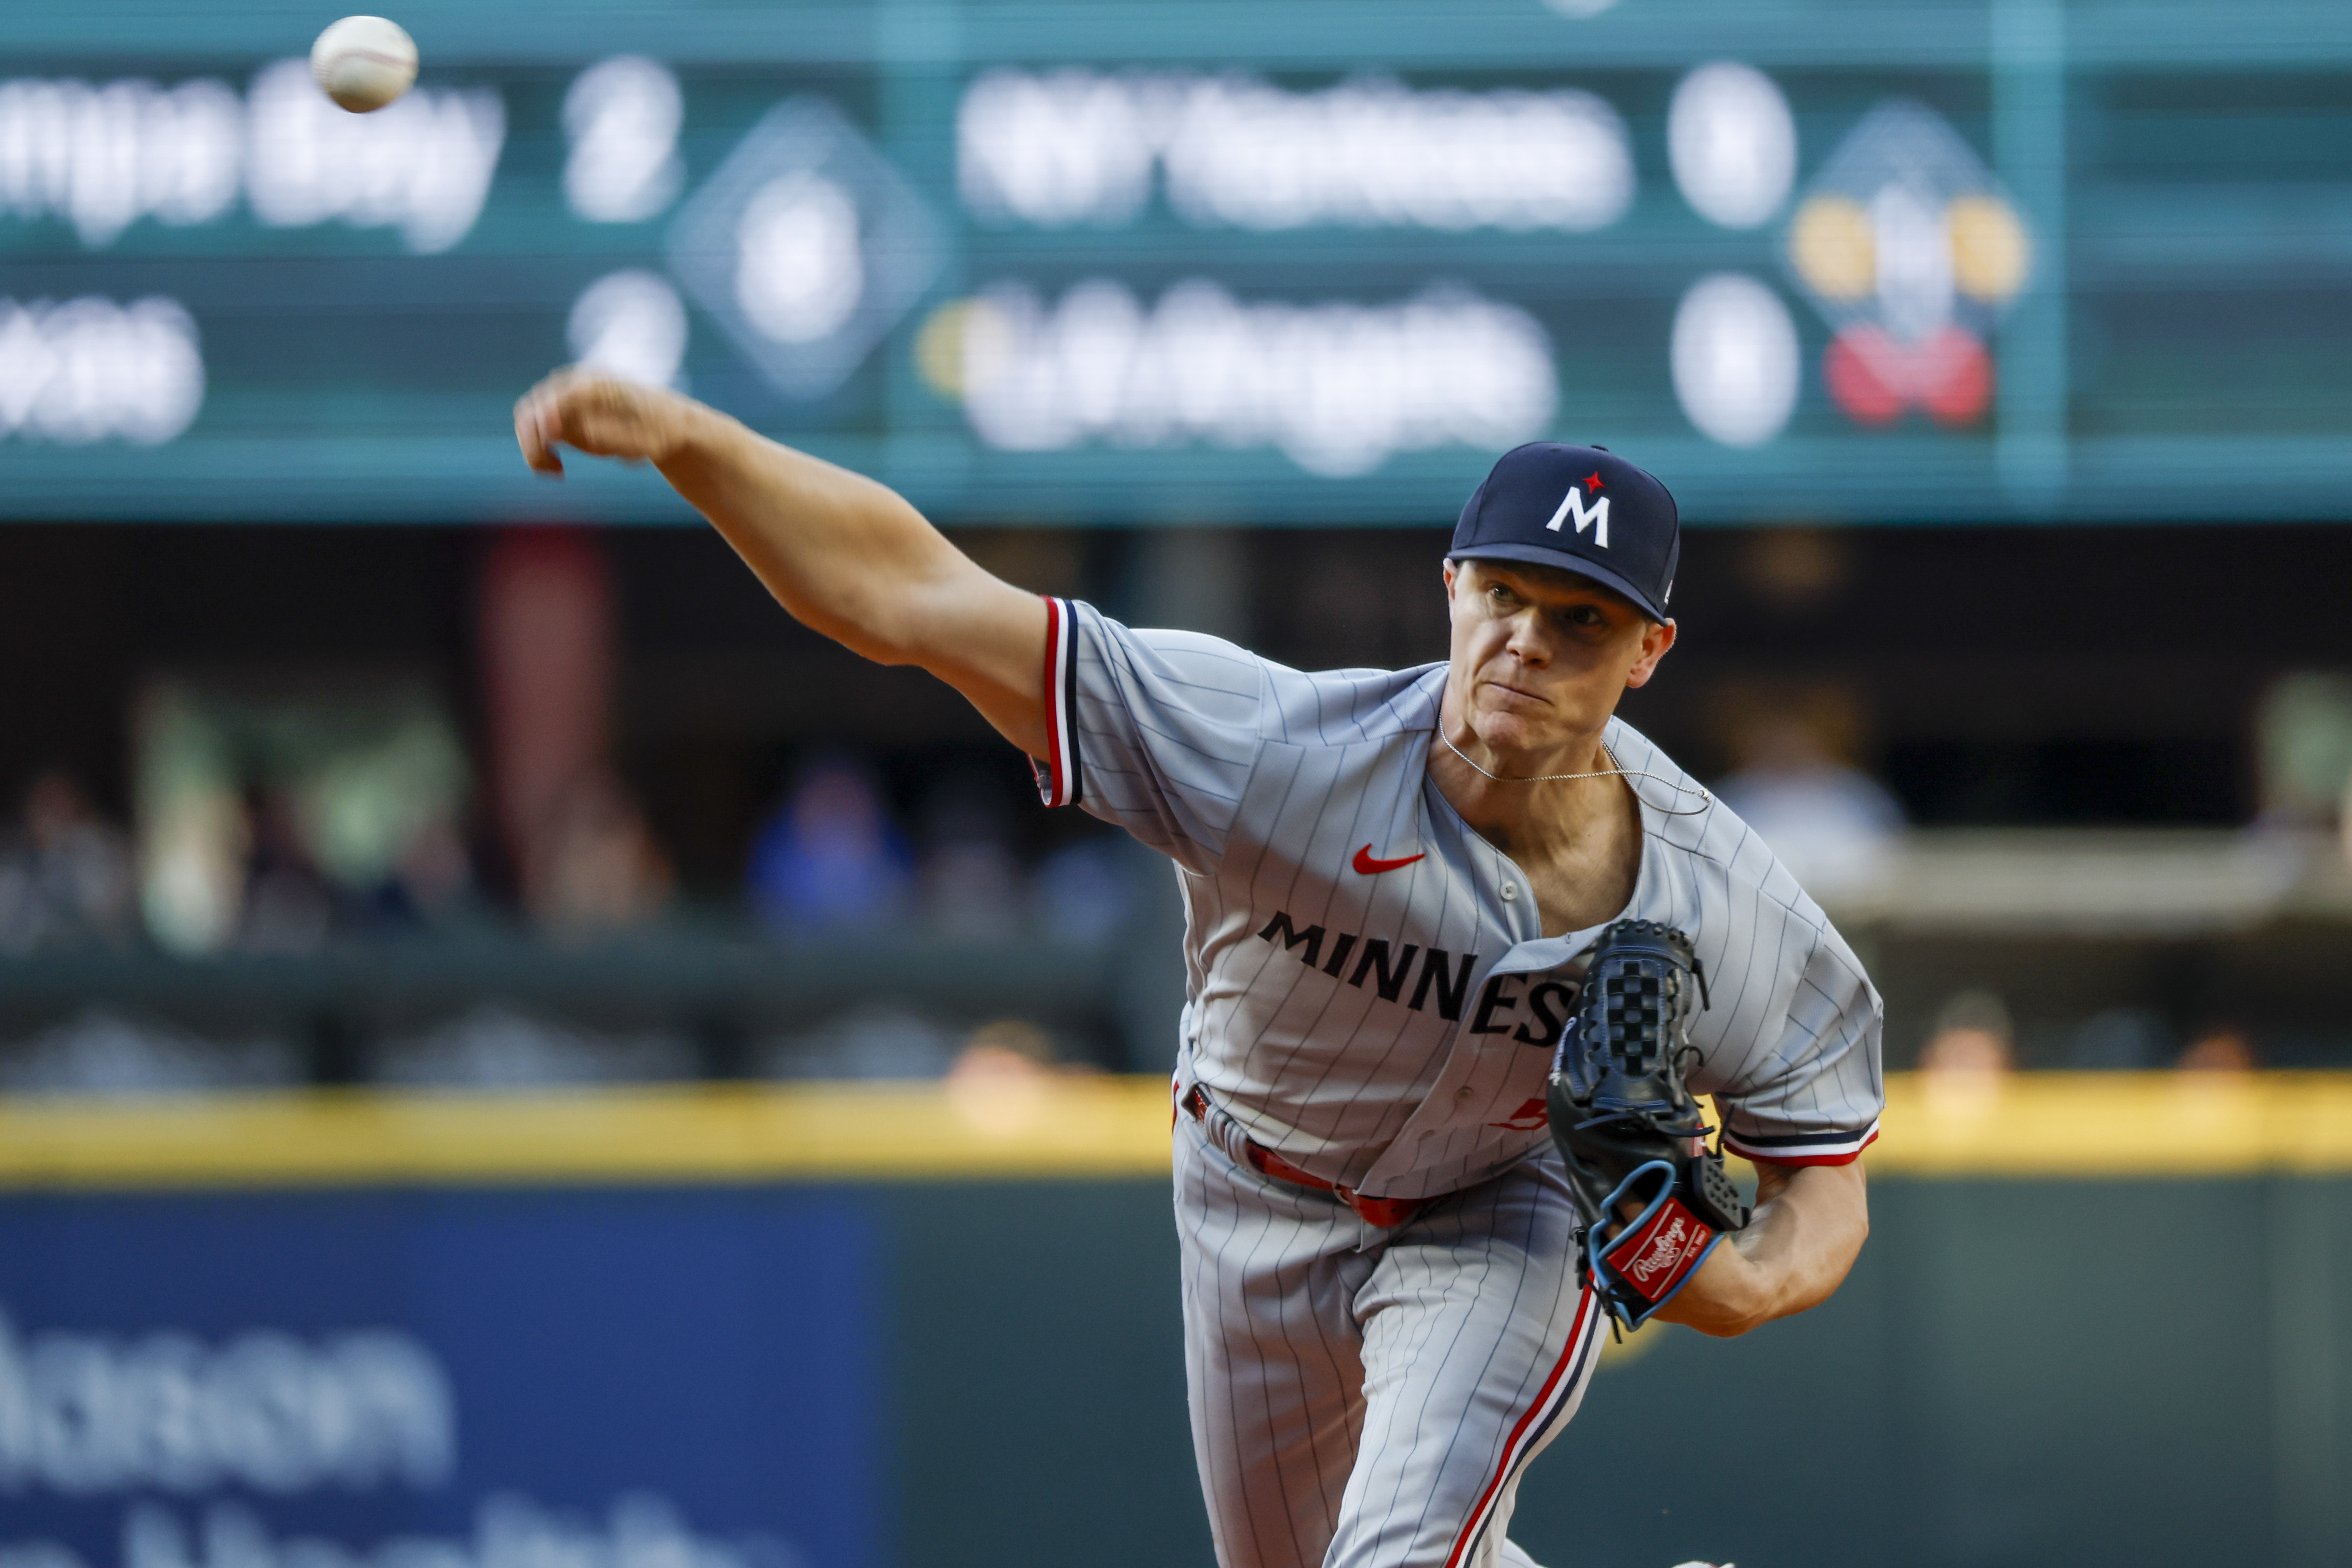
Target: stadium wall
2100, 1321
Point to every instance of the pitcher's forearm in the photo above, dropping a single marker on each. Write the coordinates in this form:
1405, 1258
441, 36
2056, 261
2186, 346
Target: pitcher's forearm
1815, 1219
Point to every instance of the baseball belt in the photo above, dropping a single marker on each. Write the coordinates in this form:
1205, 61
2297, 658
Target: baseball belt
1386, 1212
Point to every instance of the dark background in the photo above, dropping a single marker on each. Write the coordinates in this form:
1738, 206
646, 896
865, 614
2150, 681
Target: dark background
2009, 676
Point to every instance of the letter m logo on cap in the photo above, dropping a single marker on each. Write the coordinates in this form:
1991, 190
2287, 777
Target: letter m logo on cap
1572, 506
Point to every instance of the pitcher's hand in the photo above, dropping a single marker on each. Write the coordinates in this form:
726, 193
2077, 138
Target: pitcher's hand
601, 416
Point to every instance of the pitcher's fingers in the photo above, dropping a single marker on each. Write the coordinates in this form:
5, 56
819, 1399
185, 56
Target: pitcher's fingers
534, 433
538, 419
525, 432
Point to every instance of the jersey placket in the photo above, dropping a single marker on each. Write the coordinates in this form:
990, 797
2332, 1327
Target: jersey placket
1489, 1075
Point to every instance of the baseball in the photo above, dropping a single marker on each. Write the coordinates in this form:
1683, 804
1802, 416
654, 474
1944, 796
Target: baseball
363, 62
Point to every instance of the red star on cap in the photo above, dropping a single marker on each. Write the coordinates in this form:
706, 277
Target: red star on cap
1595, 480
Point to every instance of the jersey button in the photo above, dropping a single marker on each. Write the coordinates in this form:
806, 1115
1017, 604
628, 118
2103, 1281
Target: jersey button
1461, 1093
1510, 891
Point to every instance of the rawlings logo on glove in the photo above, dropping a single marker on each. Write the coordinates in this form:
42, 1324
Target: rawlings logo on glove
1655, 1258
1654, 1197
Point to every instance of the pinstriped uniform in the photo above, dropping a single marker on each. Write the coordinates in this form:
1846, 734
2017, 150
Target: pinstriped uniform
1370, 997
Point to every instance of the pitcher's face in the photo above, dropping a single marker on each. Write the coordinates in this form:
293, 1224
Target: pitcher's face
1540, 655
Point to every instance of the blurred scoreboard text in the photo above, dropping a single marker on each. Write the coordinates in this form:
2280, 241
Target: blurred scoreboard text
1103, 262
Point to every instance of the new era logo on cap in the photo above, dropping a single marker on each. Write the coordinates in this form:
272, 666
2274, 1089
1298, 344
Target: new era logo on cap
1581, 509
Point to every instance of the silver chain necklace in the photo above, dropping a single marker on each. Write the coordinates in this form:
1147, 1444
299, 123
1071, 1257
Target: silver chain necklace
1612, 771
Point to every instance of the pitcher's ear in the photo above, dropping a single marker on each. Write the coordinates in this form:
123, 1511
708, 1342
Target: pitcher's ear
1657, 640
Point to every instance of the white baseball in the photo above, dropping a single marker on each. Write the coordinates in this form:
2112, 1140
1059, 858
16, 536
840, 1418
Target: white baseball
363, 62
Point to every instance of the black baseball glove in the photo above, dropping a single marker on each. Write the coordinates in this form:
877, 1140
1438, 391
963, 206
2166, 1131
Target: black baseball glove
1655, 1199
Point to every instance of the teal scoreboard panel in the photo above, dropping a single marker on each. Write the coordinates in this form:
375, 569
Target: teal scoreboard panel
1193, 262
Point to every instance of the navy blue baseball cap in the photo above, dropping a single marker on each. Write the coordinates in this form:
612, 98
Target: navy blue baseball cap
1581, 508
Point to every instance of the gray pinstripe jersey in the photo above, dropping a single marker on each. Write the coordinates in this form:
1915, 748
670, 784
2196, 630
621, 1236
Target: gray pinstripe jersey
1390, 1029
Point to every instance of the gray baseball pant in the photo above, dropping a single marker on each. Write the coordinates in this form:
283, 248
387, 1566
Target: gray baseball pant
1370, 1398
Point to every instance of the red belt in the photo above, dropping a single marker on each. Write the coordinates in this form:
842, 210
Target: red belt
1386, 1212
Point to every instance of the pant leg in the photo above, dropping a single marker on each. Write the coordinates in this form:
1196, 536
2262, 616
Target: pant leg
1363, 1398
1270, 1275
1477, 1346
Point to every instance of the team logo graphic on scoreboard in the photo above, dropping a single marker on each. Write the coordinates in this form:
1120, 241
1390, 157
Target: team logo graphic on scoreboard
1909, 247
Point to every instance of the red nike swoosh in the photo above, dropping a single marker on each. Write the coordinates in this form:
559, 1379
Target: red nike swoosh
1371, 868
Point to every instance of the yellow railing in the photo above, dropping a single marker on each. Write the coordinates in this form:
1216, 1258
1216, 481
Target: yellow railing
2077, 1125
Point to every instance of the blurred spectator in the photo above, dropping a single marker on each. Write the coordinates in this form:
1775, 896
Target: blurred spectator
595, 867
830, 858
1972, 1036
999, 1085
435, 875
2304, 739
1086, 891
66, 878
970, 881
2219, 1048
271, 820
1831, 824
1007, 1048
287, 907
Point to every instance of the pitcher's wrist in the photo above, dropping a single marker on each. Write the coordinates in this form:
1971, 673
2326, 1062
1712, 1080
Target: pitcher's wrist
688, 429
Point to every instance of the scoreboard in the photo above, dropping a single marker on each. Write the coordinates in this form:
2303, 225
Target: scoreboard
1194, 261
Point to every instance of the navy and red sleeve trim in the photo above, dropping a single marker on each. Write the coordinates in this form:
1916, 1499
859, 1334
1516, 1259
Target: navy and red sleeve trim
1058, 781
1803, 1148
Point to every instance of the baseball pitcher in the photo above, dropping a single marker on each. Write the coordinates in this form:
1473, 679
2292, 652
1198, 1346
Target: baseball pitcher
1463, 950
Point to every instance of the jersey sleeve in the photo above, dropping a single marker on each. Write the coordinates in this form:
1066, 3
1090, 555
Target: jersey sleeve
1812, 1095
1155, 731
